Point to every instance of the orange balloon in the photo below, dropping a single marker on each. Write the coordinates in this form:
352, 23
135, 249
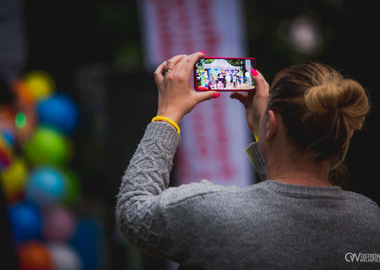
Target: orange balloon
22, 92
34, 256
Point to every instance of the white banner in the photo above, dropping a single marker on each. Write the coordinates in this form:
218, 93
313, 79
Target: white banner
215, 134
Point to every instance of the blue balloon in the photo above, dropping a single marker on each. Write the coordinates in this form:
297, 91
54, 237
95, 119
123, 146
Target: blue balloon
8, 136
58, 112
88, 243
26, 221
46, 186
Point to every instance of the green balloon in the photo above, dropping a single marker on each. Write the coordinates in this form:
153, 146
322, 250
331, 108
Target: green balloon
47, 146
73, 186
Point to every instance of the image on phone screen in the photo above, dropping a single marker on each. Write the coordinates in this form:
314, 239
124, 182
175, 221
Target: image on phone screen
224, 74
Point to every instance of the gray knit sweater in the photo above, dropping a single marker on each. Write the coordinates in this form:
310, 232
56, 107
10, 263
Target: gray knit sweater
269, 225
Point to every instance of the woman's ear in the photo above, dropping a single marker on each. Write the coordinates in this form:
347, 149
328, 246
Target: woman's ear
272, 126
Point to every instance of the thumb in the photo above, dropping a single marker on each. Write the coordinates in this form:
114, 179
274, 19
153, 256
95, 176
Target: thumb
245, 99
239, 96
206, 95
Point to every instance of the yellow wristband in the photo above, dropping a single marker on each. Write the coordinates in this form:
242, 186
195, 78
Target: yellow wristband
171, 122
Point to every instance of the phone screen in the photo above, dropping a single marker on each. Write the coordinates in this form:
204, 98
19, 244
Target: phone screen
224, 74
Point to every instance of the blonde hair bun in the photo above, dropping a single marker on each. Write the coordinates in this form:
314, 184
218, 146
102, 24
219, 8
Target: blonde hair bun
338, 95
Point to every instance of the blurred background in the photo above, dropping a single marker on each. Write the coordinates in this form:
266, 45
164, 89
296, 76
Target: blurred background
77, 92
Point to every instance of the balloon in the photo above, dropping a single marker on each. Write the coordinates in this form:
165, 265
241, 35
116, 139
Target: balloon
58, 112
39, 83
88, 242
64, 257
72, 186
34, 255
8, 136
59, 224
6, 154
46, 186
47, 146
22, 91
20, 120
13, 178
26, 222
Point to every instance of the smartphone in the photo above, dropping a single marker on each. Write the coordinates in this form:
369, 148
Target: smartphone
224, 74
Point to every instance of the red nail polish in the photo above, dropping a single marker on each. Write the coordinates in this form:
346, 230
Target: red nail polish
254, 72
215, 95
203, 52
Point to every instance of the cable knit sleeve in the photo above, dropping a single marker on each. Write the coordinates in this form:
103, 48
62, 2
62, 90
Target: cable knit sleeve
138, 209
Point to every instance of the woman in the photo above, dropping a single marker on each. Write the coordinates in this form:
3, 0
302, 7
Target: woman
294, 220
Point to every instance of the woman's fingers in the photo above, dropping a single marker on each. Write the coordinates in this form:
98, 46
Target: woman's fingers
172, 63
176, 96
166, 67
261, 85
261, 90
181, 64
205, 95
187, 64
245, 99
255, 101
158, 74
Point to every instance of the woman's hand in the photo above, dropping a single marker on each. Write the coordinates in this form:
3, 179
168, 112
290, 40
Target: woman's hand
176, 97
254, 102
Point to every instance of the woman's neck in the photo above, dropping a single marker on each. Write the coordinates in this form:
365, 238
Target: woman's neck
299, 172
285, 163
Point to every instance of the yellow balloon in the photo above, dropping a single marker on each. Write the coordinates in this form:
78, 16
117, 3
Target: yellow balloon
40, 84
14, 177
